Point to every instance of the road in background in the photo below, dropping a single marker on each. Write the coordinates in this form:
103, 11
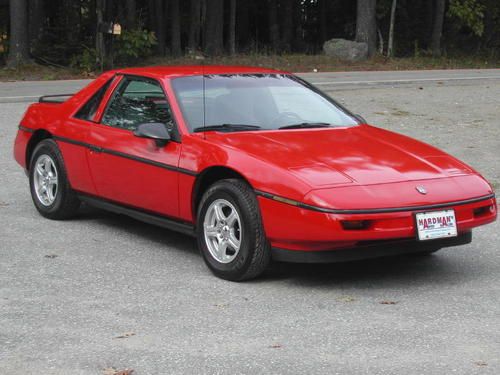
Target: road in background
15, 92
104, 291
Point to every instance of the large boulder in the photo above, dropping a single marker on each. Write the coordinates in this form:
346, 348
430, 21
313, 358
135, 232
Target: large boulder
346, 49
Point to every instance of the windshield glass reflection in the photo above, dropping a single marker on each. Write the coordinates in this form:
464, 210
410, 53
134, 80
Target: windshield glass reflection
266, 101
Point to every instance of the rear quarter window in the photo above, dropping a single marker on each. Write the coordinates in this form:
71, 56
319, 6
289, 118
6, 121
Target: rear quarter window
87, 112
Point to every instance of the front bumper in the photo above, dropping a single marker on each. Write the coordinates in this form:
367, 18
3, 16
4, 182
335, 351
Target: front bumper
294, 228
368, 250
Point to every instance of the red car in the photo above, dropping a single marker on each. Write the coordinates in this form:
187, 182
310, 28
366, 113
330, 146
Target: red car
256, 163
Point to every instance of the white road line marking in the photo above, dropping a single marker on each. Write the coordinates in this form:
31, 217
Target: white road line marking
372, 82
404, 80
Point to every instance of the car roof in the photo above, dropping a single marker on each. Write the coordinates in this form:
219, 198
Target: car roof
190, 70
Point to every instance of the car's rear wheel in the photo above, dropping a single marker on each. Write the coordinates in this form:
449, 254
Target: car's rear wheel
230, 233
49, 186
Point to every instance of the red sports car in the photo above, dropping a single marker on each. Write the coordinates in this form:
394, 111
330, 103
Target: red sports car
256, 163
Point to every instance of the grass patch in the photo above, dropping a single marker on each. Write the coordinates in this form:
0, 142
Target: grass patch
291, 62
35, 72
307, 63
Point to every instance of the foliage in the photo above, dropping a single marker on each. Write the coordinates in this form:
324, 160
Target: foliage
134, 44
84, 62
470, 13
471, 27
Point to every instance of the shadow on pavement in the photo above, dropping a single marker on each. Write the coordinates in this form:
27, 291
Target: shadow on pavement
443, 267
162, 236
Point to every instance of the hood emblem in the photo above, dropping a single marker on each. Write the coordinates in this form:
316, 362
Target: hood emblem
421, 189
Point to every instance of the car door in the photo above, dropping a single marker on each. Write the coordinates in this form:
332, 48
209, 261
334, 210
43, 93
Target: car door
72, 137
131, 170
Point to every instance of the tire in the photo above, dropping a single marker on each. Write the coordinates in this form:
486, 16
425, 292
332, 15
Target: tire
61, 203
253, 255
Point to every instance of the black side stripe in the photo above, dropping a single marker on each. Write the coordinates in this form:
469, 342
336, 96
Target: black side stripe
140, 214
126, 156
373, 210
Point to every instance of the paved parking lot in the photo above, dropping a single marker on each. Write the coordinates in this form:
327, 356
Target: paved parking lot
104, 291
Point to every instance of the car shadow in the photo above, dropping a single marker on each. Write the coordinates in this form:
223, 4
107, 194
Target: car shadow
162, 236
443, 267
412, 269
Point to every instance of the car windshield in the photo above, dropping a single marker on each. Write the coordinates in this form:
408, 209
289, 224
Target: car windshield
236, 102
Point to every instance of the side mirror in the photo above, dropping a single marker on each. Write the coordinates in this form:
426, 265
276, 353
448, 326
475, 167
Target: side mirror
360, 119
155, 131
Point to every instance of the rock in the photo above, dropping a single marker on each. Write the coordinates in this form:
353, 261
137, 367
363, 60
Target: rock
346, 49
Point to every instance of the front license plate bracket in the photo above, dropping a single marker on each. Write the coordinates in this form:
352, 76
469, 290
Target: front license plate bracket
436, 224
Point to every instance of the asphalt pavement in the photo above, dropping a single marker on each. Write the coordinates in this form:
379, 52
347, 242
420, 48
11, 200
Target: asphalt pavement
30, 91
104, 291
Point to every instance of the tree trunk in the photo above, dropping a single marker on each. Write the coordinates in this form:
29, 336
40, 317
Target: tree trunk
232, 27
159, 26
298, 43
99, 40
213, 34
390, 43
194, 25
131, 16
437, 28
19, 52
175, 23
380, 42
274, 29
243, 23
366, 24
36, 24
323, 28
287, 25
428, 22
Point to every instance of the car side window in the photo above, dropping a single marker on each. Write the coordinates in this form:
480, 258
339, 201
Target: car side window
137, 101
87, 112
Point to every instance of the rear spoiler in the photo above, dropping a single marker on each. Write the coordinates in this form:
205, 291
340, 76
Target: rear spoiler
51, 98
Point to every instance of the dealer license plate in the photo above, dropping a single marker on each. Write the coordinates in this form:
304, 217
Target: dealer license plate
436, 224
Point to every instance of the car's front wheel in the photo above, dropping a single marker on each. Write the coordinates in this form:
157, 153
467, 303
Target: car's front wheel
50, 189
230, 233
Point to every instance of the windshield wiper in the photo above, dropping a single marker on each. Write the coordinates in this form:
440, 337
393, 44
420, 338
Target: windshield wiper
304, 125
226, 128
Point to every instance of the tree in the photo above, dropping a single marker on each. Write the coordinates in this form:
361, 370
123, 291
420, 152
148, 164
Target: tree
130, 19
36, 16
323, 29
287, 35
19, 52
232, 27
366, 24
243, 24
437, 28
159, 26
99, 39
194, 25
213, 32
175, 32
390, 44
274, 29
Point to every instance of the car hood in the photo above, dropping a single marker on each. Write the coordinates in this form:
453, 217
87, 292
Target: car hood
361, 155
